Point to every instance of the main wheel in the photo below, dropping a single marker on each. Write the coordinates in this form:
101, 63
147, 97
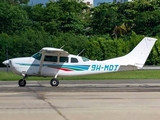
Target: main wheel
54, 82
22, 82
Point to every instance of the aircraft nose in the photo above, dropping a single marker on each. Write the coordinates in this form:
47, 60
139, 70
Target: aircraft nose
6, 62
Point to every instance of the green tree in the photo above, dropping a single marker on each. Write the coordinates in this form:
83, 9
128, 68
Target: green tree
147, 23
104, 19
52, 13
12, 19
126, 16
73, 17
16, 2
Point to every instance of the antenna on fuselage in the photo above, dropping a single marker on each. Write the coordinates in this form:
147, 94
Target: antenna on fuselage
62, 47
80, 52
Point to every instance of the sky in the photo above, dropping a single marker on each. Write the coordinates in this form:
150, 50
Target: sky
96, 2
44, 1
37, 1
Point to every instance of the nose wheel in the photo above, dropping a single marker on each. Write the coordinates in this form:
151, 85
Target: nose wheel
54, 82
22, 82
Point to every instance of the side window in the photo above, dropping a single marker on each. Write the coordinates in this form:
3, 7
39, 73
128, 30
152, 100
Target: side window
74, 60
50, 58
63, 59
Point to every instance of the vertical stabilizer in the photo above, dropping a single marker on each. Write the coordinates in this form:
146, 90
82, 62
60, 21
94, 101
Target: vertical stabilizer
138, 56
140, 53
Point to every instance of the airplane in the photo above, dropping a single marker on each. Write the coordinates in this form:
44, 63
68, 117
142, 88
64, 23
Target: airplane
54, 62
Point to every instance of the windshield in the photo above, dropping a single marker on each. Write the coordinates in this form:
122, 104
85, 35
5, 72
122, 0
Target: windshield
37, 56
85, 59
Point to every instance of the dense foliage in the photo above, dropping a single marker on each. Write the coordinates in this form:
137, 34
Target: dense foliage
105, 31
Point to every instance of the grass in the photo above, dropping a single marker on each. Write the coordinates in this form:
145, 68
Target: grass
137, 74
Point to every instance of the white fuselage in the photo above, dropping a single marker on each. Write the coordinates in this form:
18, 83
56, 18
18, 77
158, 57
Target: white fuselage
31, 67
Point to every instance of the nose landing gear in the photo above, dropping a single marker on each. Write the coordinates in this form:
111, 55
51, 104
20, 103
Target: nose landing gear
22, 82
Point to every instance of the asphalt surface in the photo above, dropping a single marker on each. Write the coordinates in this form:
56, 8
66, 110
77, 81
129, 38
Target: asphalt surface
84, 86
81, 100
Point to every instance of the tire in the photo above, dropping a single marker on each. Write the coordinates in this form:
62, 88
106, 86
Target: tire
54, 82
22, 83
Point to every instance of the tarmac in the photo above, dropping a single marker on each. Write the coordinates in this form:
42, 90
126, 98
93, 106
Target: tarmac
81, 100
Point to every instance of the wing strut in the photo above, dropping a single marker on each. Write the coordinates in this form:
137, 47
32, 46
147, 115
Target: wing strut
41, 62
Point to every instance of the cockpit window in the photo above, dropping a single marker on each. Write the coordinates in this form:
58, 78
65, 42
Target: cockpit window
51, 58
37, 56
85, 59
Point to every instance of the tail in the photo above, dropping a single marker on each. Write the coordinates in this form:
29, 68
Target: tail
138, 56
140, 53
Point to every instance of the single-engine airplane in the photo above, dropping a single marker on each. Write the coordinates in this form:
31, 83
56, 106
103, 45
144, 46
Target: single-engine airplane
55, 62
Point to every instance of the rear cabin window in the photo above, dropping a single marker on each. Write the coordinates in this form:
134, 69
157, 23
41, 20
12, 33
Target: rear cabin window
74, 60
85, 59
63, 59
50, 58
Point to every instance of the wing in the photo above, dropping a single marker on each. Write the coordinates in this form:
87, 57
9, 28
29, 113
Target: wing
53, 51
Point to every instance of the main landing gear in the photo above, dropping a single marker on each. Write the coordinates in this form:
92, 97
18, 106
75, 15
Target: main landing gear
54, 82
